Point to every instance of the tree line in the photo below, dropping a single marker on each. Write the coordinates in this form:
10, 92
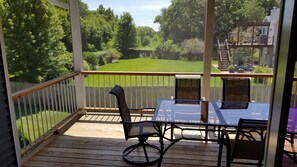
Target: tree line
38, 34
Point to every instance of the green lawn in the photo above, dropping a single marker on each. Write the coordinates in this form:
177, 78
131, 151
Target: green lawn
155, 65
35, 125
143, 65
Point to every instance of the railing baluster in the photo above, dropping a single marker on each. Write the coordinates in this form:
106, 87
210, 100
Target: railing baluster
41, 111
21, 122
27, 121
36, 113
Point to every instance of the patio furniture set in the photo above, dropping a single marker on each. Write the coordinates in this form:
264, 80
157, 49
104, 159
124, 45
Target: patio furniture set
235, 114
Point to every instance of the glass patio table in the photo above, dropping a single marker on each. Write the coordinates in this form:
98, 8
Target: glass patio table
194, 115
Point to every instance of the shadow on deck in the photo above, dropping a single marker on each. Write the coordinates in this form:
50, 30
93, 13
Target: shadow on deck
97, 139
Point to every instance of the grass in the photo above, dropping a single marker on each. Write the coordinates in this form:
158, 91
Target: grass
35, 125
155, 65
143, 65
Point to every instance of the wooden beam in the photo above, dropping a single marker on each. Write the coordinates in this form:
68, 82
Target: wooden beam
207, 57
59, 4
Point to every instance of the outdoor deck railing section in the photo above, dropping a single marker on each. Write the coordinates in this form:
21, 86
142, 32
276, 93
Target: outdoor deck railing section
143, 90
40, 110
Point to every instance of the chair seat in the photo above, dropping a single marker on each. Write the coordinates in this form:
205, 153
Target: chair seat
249, 149
143, 129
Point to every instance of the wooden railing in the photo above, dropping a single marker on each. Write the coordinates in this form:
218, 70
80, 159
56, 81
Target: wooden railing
143, 90
42, 109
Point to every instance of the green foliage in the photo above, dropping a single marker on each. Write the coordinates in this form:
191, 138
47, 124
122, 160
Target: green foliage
191, 48
252, 10
231, 68
164, 49
111, 55
183, 19
33, 34
168, 46
86, 66
262, 69
96, 31
126, 33
101, 61
91, 58
145, 34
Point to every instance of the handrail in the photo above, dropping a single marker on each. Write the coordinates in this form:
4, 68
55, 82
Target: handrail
219, 50
36, 88
228, 52
256, 75
140, 73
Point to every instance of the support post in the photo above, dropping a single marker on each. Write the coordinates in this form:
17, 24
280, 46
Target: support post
77, 53
209, 26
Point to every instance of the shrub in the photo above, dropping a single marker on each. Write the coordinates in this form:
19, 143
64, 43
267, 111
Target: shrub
231, 68
163, 49
101, 61
86, 66
262, 69
91, 58
111, 55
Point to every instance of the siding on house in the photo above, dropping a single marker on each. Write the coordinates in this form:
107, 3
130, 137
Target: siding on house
7, 147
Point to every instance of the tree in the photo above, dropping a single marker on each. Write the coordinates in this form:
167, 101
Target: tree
252, 11
126, 33
95, 31
33, 36
183, 19
145, 34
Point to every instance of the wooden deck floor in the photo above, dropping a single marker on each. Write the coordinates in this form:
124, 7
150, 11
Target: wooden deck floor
98, 140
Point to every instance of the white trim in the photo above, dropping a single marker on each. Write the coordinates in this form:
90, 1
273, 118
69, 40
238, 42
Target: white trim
77, 53
10, 102
59, 4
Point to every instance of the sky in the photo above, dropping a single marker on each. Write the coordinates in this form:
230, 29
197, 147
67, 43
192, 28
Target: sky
142, 11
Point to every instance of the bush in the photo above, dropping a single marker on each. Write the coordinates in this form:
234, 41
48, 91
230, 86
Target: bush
86, 66
231, 68
163, 49
101, 61
262, 69
111, 55
91, 58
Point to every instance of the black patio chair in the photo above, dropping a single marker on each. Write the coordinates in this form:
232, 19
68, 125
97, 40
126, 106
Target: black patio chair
248, 144
141, 153
236, 93
187, 88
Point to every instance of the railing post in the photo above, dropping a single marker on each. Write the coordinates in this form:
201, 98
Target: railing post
209, 26
77, 53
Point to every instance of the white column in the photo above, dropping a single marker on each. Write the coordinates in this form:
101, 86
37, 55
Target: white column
209, 27
77, 53
11, 105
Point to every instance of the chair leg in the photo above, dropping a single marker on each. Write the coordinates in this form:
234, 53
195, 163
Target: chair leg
145, 153
220, 155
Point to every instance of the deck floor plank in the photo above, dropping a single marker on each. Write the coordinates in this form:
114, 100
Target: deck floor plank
98, 140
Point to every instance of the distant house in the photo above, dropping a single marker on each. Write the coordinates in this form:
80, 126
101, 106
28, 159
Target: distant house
267, 55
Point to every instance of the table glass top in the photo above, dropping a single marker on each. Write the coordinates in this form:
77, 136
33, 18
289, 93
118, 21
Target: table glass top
198, 112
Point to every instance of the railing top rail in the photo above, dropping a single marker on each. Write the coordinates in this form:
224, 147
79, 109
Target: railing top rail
30, 90
140, 73
253, 75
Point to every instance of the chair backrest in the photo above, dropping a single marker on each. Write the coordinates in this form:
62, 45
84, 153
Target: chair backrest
187, 87
236, 90
118, 91
250, 139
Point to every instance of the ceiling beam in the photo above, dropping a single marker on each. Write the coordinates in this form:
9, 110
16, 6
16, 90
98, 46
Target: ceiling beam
59, 4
